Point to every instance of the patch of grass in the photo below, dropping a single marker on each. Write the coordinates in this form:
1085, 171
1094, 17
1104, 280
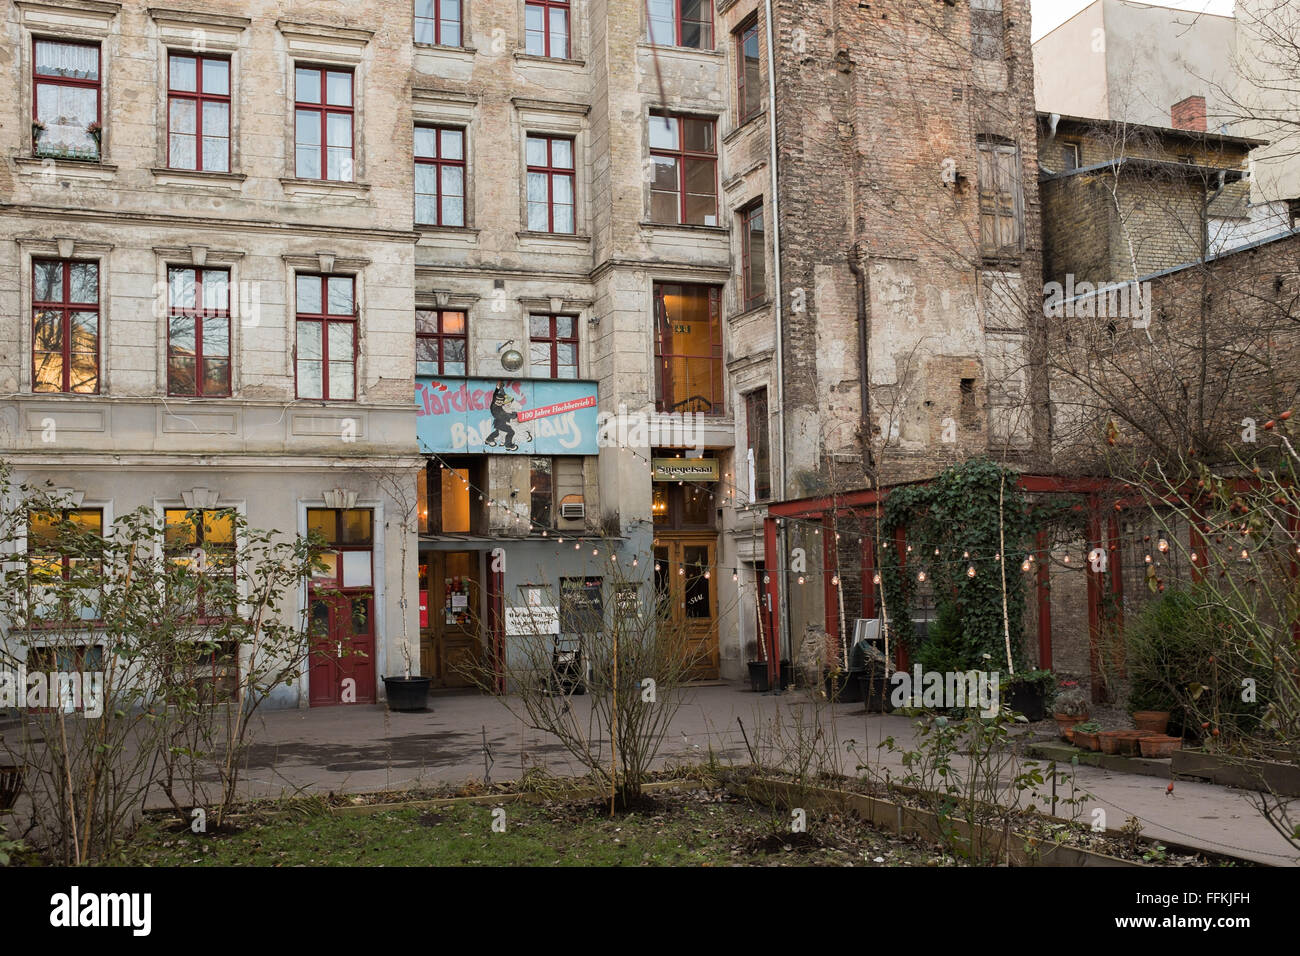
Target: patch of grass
699, 828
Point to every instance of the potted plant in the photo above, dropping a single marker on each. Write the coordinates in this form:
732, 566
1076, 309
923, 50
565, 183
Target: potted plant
1030, 693
38, 130
408, 692
1087, 735
96, 132
1070, 708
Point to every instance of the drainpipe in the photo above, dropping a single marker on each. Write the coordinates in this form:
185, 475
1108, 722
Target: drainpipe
864, 353
776, 248
778, 312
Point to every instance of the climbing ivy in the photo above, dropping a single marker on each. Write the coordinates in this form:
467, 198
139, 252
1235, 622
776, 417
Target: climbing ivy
957, 514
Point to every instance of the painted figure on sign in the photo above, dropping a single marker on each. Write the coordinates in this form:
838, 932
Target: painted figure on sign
502, 417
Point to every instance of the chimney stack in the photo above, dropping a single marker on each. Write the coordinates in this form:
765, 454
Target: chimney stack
1189, 114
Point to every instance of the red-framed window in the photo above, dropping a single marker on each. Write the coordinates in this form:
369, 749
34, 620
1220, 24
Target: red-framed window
198, 112
198, 332
550, 184
688, 348
204, 538
60, 541
326, 335
757, 429
553, 346
65, 326
546, 28
438, 22
441, 342
752, 257
439, 176
66, 91
686, 23
349, 536
684, 187
749, 87
323, 123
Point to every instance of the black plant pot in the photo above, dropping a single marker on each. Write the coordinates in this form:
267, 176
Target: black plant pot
844, 687
407, 693
1027, 699
758, 681
874, 689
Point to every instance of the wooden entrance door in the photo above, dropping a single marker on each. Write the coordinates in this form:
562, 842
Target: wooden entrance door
344, 650
452, 640
685, 570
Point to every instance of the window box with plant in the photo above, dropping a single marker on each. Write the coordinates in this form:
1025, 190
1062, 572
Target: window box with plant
1087, 735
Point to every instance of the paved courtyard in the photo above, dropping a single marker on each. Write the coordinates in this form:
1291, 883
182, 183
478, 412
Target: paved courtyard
357, 749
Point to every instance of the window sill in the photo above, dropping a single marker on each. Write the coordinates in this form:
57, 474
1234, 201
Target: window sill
1010, 260
684, 227
443, 48
688, 52
549, 60
166, 176
35, 167
331, 189
460, 233
553, 239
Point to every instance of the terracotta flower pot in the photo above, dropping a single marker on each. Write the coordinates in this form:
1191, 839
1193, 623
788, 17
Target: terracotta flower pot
1110, 740
1085, 740
1155, 721
1065, 723
1159, 746
1129, 742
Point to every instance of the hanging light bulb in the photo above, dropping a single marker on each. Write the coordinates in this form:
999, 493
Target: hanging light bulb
936, 552
735, 576
1245, 555
875, 579
594, 552
835, 579
1147, 558
656, 566
1067, 559
909, 549
1024, 565
801, 579
1193, 557
634, 562
965, 554
1163, 546
681, 570
706, 575
970, 571
920, 576
577, 546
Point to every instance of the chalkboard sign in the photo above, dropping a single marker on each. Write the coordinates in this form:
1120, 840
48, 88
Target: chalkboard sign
582, 605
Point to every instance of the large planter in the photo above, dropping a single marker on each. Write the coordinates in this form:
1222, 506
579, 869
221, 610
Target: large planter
407, 693
1027, 699
1130, 743
874, 691
843, 687
1159, 746
758, 679
1154, 721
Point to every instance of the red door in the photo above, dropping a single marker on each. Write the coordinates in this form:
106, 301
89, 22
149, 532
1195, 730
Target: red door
342, 663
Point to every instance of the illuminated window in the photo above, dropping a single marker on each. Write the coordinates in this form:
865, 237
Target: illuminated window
688, 348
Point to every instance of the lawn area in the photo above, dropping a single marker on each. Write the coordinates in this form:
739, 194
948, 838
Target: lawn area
691, 828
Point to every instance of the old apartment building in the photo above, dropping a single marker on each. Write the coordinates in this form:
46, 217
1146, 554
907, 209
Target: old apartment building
515, 286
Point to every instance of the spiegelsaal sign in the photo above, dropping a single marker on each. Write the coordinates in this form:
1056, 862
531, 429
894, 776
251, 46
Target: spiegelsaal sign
505, 416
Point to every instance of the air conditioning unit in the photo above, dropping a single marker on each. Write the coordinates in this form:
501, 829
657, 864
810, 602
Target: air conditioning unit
572, 508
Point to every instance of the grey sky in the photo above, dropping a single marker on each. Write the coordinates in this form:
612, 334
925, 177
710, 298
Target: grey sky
1051, 13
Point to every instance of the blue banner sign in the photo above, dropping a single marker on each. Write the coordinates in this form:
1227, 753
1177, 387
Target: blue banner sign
467, 416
